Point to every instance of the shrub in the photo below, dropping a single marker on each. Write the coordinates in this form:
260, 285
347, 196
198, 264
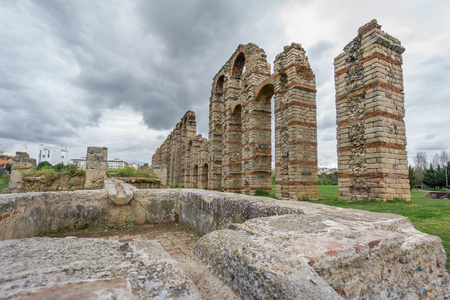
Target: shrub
262, 193
128, 171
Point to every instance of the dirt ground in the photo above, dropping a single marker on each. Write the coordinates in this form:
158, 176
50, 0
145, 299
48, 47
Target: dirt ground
148, 230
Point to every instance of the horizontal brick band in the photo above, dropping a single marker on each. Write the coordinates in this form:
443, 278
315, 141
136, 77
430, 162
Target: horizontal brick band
300, 143
257, 115
258, 129
309, 88
375, 175
378, 113
366, 59
296, 103
373, 145
268, 173
284, 183
296, 123
297, 162
365, 88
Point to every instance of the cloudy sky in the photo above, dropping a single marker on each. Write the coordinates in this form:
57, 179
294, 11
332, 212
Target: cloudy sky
121, 74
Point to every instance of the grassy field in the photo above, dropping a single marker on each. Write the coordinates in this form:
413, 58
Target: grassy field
3, 183
431, 216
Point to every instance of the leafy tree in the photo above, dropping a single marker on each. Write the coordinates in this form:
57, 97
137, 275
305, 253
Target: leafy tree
429, 177
59, 167
44, 164
8, 167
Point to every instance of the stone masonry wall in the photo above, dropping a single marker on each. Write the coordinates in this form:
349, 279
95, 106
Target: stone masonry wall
237, 156
261, 247
371, 136
96, 166
295, 126
21, 164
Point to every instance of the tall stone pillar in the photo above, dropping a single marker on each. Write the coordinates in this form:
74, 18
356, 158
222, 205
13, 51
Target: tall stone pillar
96, 166
21, 163
295, 126
371, 136
256, 124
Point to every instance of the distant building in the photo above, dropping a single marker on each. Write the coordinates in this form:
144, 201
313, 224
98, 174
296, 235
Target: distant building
3, 163
326, 170
4, 156
53, 155
50, 153
116, 163
112, 164
79, 162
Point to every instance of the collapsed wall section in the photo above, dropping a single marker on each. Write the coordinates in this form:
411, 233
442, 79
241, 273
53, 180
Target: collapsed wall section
372, 159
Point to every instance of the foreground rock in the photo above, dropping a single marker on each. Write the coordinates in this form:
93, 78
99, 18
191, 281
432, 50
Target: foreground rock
71, 268
328, 253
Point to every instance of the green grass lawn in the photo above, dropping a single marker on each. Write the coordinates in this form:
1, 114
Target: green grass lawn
431, 216
3, 184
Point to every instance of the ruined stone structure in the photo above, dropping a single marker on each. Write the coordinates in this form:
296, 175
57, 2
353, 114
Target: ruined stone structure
21, 164
237, 154
371, 136
96, 166
261, 248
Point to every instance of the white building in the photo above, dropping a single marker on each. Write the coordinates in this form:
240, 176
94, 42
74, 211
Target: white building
112, 164
116, 163
53, 155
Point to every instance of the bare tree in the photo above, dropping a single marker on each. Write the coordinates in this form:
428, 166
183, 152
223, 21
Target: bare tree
435, 160
443, 158
421, 162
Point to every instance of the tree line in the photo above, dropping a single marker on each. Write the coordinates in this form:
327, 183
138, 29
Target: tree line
429, 174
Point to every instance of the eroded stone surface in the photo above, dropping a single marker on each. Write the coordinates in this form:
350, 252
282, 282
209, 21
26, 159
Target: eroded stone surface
370, 105
90, 269
361, 255
274, 246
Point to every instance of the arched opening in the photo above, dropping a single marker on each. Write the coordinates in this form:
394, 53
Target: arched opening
217, 174
195, 177
239, 64
219, 84
263, 150
265, 94
204, 179
188, 166
236, 148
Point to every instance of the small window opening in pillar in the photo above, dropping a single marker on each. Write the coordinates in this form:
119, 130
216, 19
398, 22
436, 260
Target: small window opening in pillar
204, 180
236, 148
239, 65
195, 177
219, 85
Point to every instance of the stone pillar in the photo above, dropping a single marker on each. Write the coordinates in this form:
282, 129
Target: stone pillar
96, 166
216, 121
21, 164
371, 136
256, 124
295, 126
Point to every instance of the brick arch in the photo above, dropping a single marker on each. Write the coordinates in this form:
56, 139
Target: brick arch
218, 84
239, 62
233, 108
265, 90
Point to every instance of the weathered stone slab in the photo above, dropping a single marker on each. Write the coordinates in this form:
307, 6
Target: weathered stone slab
360, 255
74, 268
